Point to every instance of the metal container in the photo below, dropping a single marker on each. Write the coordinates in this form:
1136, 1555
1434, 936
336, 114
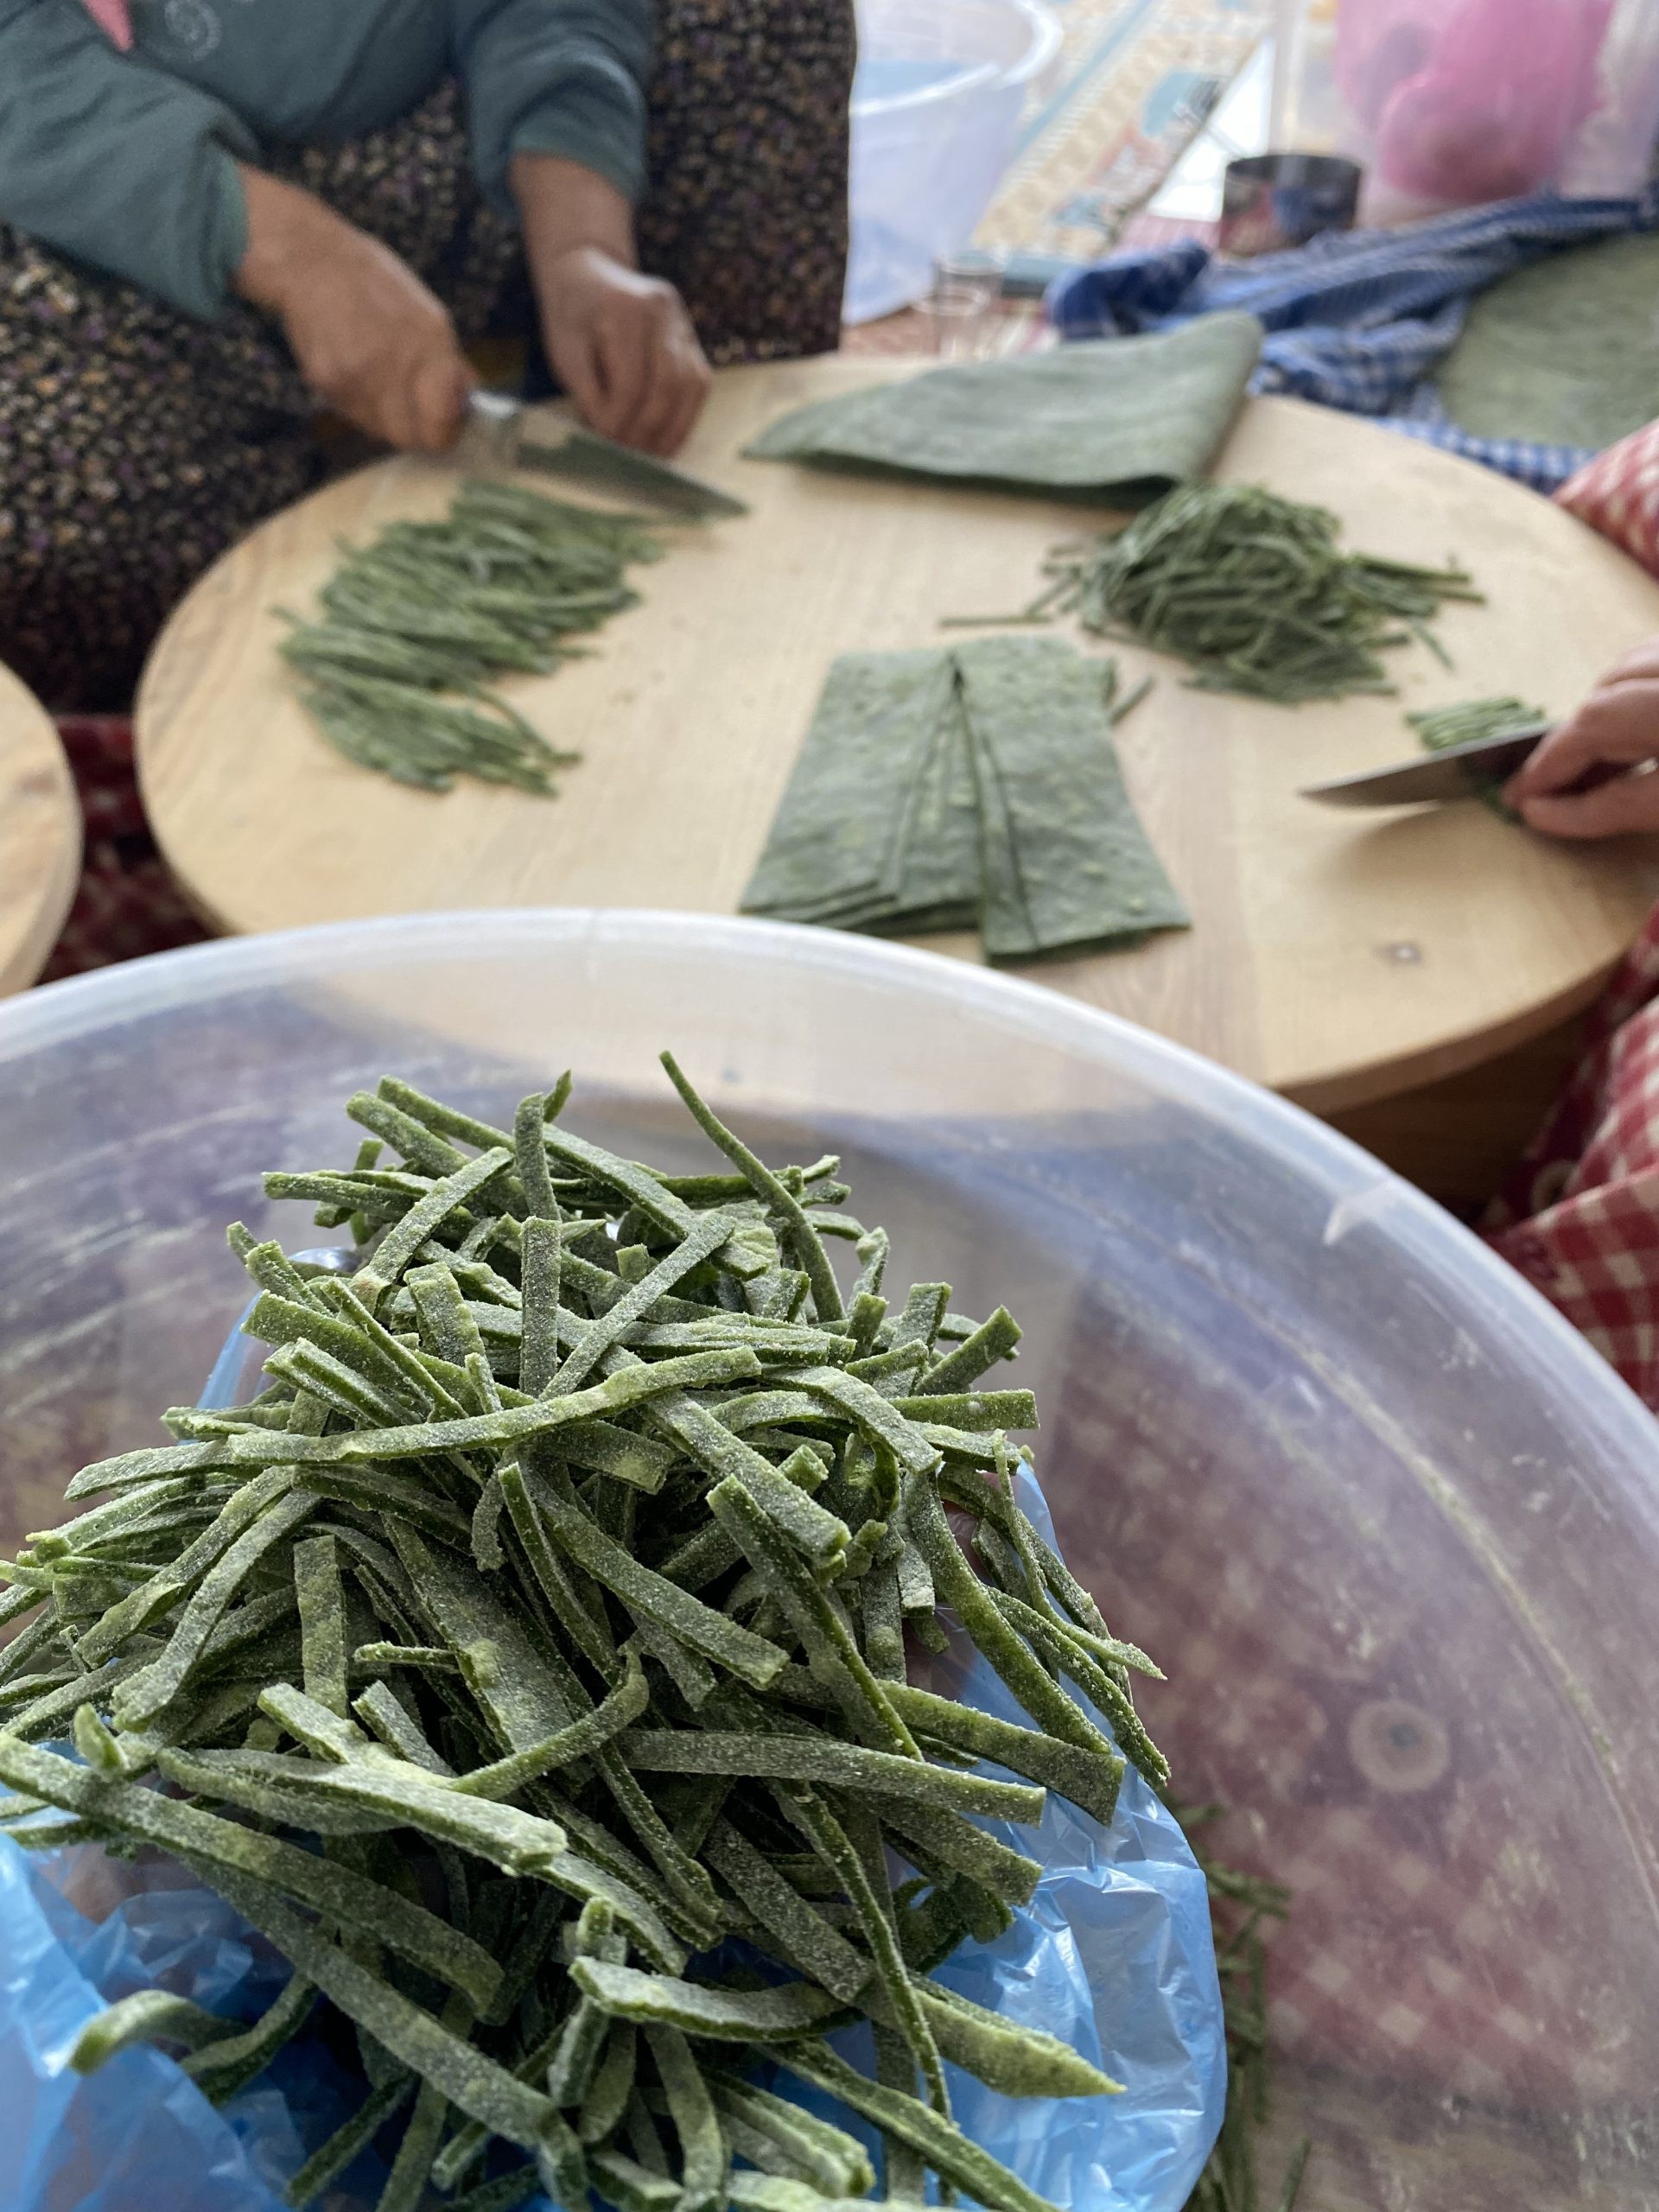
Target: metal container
1273, 200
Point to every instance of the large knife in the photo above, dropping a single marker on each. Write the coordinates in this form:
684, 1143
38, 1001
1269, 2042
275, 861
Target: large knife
1461, 772
496, 437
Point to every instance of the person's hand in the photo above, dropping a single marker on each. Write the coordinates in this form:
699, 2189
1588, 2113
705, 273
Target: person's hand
370, 339
621, 343
1592, 776
623, 347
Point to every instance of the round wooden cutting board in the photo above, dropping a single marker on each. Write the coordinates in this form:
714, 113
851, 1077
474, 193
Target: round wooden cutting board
40, 836
1339, 957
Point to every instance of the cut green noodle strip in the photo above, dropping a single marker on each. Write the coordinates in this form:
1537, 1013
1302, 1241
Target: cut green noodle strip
1088, 1778
832, 1652
631, 2187
149, 2016
1015, 2062
704, 2163
320, 1599
873, 1911
229, 2065
405, 2185
826, 2154
772, 1192
350, 2139
620, 1710
846, 1766
959, 1586
697, 2008
809, 1940
941, 2144
649, 1596
701, 1242
953, 1843
612, 2085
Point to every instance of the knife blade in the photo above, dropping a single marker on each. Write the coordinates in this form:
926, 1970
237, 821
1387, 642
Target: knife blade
1461, 772
496, 436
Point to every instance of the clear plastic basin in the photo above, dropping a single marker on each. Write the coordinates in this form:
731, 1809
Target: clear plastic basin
1392, 1528
936, 112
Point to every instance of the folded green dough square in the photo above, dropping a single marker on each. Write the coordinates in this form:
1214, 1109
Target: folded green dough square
938, 873
939, 790
1064, 861
834, 849
1119, 419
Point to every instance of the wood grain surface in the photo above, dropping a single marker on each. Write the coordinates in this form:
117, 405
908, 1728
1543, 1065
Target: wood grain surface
40, 835
1338, 956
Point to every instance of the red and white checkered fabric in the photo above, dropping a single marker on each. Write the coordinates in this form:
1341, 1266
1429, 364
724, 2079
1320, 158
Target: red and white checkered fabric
1580, 1216
1617, 494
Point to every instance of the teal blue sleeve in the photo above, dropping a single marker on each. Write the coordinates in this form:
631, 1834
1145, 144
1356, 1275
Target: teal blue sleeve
113, 163
563, 77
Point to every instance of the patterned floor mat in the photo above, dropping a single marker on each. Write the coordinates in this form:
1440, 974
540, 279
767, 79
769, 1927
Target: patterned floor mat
1139, 80
1136, 82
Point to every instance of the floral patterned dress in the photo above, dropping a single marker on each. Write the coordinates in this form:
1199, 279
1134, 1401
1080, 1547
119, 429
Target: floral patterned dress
136, 444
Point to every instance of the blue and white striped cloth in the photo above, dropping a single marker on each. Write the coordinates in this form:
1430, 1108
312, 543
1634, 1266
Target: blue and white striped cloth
1359, 319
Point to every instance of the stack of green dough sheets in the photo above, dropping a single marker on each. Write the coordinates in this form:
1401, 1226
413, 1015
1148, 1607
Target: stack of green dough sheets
973, 787
1121, 420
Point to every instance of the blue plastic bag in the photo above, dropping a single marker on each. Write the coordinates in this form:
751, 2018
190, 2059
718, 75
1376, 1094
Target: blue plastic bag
1113, 1955
139, 2133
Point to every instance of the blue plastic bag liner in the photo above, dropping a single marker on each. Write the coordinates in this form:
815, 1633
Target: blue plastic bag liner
139, 2133
1113, 1955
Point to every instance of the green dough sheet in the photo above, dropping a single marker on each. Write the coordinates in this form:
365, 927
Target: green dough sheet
1563, 353
1119, 419
835, 848
1065, 861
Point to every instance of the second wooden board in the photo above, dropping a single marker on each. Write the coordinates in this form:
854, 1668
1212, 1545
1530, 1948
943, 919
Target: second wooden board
40, 835
1337, 957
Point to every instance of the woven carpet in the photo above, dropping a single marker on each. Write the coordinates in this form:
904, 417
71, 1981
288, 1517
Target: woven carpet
1138, 80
